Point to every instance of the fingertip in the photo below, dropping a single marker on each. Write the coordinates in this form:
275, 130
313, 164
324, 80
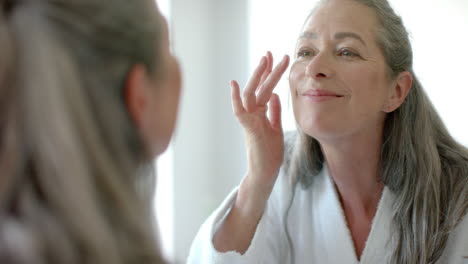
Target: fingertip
270, 60
235, 98
275, 98
235, 91
275, 112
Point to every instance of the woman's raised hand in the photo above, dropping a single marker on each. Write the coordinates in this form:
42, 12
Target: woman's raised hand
264, 139
263, 134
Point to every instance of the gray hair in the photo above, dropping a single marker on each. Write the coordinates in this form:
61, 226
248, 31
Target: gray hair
421, 163
75, 185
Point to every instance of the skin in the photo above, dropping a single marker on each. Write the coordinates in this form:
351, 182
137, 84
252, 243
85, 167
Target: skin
153, 97
337, 52
348, 126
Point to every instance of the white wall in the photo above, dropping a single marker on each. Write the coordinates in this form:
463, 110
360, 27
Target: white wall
439, 30
211, 42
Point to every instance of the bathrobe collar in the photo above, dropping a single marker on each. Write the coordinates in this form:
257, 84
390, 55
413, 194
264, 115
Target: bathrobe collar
337, 236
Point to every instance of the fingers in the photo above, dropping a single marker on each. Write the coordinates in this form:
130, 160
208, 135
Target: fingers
269, 58
236, 100
249, 91
264, 94
275, 111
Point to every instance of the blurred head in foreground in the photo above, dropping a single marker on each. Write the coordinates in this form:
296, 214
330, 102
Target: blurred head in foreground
89, 94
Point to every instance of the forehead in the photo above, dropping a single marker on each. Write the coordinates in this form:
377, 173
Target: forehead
342, 16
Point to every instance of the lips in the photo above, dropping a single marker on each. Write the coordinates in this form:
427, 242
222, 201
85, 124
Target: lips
319, 95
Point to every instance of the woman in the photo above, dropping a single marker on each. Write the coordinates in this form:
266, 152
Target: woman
89, 93
372, 175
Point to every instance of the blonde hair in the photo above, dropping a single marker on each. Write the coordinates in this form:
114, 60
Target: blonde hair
421, 163
76, 186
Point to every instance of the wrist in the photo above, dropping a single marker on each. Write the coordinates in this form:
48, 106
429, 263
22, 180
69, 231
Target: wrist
252, 197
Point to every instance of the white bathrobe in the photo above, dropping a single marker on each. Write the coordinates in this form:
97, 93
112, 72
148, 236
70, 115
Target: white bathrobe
317, 228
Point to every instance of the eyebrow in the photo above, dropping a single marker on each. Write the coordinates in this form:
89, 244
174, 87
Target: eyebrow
343, 35
339, 35
308, 35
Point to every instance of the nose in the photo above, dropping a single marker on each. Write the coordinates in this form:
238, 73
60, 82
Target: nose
319, 67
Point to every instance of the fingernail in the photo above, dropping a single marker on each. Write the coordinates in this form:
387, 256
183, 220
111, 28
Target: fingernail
263, 60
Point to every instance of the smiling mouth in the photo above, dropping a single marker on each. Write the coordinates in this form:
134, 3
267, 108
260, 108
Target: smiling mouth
320, 95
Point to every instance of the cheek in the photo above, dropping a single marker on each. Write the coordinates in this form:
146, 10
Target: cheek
166, 108
366, 87
296, 79
296, 76
173, 87
178, 71
176, 86
367, 98
304, 114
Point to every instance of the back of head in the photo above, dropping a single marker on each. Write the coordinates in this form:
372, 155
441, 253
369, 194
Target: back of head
74, 185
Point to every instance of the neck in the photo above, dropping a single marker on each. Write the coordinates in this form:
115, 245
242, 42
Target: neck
355, 167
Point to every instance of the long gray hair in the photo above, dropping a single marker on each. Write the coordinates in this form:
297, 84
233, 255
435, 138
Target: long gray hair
421, 163
74, 185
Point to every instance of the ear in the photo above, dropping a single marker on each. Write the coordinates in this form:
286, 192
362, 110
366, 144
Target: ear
398, 92
135, 93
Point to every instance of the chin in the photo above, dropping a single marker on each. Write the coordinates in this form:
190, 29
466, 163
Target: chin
157, 146
160, 147
158, 151
320, 129
161, 139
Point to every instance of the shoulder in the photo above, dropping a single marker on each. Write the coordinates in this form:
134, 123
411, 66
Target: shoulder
457, 245
284, 184
17, 244
290, 138
283, 190
282, 193
287, 187
462, 233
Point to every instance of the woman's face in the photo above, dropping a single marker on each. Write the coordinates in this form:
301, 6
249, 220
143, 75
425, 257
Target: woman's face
338, 82
166, 94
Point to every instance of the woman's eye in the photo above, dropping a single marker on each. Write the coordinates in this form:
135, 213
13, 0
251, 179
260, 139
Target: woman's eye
347, 53
303, 53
